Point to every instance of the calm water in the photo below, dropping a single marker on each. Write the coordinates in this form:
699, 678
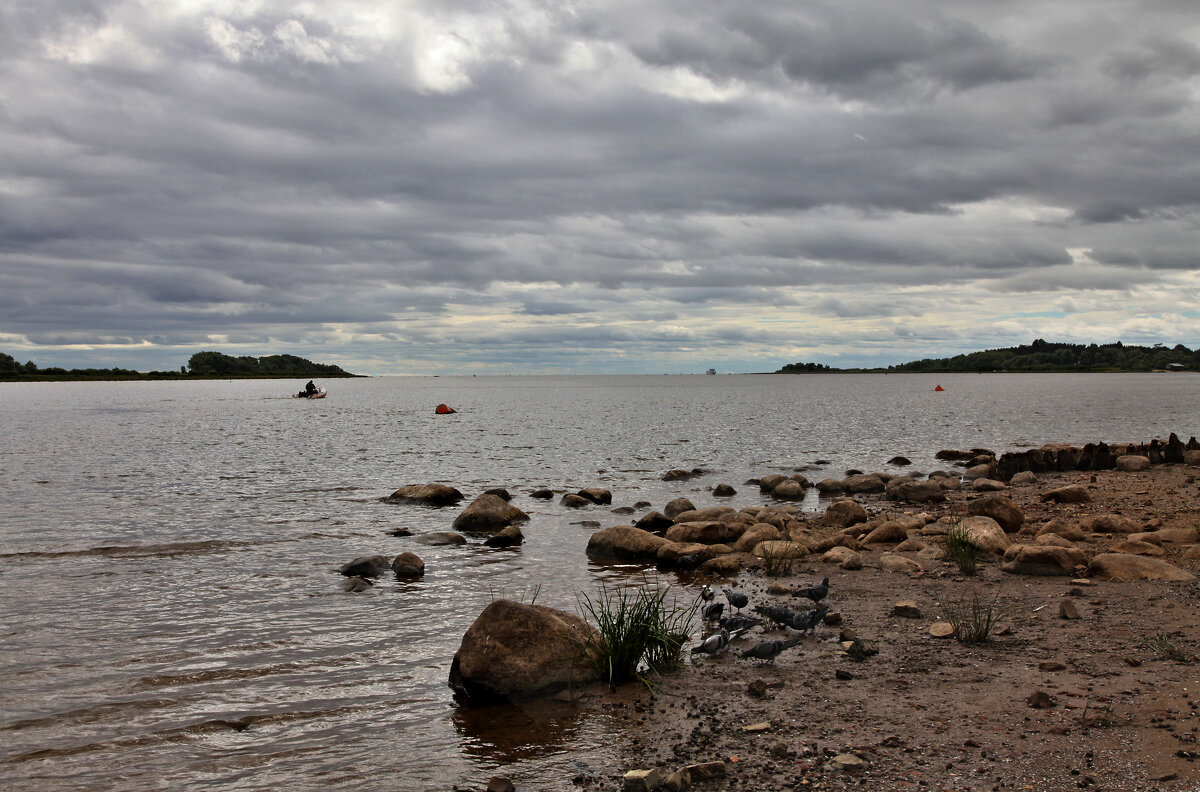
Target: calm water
172, 613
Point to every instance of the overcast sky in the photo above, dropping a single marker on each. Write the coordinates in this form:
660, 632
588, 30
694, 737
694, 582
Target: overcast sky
492, 186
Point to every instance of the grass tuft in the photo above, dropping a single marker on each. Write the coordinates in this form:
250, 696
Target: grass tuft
961, 550
777, 563
973, 615
1163, 647
639, 631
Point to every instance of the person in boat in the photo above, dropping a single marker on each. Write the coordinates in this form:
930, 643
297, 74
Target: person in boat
310, 389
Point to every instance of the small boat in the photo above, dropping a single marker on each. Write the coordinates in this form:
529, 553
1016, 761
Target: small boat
318, 394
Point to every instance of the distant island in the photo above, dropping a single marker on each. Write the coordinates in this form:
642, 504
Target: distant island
202, 365
1040, 356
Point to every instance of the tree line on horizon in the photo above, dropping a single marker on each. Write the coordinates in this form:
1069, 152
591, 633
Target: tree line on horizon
1040, 356
202, 365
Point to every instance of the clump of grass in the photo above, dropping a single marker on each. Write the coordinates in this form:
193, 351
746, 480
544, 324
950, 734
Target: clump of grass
777, 561
960, 549
639, 631
973, 615
1164, 647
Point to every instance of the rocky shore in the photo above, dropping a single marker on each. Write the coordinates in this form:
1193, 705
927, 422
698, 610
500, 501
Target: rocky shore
1090, 678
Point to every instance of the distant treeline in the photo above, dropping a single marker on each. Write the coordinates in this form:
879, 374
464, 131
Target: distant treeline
1043, 356
202, 365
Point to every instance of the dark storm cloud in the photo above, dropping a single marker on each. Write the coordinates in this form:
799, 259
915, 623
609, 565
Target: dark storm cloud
652, 180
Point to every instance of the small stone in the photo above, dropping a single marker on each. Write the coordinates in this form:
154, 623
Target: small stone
1040, 699
848, 762
860, 650
498, 784
906, 609
778, 589
1067, 610
833, 619
755, 728
779, 750
847, 634
706, 771
757, 688
1082, 582
1050, 665
678, 781
843, 674
642, 780
941, 629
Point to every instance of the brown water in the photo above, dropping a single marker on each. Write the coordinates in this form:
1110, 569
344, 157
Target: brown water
172, 613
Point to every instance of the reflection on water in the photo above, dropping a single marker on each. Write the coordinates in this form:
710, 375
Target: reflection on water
174, 616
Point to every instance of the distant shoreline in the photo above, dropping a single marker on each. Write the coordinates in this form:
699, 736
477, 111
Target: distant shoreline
168, 376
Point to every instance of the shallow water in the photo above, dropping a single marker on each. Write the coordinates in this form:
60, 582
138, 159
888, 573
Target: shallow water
173, 615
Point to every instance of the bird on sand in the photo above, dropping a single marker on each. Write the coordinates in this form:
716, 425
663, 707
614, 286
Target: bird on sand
736, 598
776, 613
739, 622
769, 650
809, 619
714, 643
815, 593
707, 593
712, 611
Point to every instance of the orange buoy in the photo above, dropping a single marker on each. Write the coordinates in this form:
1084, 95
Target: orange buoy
442, 409
939, 388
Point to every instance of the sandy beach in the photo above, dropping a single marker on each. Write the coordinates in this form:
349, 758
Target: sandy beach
1085, 683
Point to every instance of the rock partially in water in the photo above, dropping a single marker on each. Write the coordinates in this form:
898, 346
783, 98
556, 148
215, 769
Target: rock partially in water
426, 494
513, 650
488, 512
408, 565
365, 566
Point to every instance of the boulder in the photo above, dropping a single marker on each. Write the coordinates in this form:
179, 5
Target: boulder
789, 489
426, 494
598, 496
678, 506
626, 543
1173, 535
670, 552
1121, 566
1042, 560
723, 491
723, 565
999, 508
986, 534
1025, 478
499, 492
830, 486
703, 515
950, 483
356, 585
988, 485
1134, 547
759, 532
1067, 530
573, 500
440, 538
706, 532
408, 565
1132, 463
894, 530
837, 555
655, 522
768, 483
908, 489
846, 512
365, 566
513, 650
488, 512
890, 562
977, 472
899, 461
1072, 493
506, 537
1114, 524
1052, 540
780, 549
863, 482
542, 494
1191, 458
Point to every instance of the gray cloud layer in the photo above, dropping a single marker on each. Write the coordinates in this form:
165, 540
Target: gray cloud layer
523, 186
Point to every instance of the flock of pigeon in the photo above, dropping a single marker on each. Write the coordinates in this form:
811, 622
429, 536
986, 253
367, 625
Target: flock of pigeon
730, 627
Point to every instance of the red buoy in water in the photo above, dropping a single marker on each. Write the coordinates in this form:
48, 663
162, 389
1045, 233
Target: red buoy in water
939, 388
442, 409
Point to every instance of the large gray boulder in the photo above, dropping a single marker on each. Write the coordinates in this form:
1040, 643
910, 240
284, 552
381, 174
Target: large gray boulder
986, 534
999, 508
488, 513
1132, 463
846, 512
706, 532
513, 650
426, 495
625, 543
863, 482
1042, 560
906, 488
703, 515
1120, 566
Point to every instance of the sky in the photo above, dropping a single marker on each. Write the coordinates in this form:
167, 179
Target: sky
511, 187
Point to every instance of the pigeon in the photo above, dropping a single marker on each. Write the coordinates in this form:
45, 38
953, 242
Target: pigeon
739, 622
776, 613
707, 593
769, 650
713, 643
712, 611
691, 560
736, 598
814, 593
808, 620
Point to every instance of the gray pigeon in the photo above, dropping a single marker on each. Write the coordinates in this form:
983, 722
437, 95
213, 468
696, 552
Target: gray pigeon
713, 610
808, 620
769, 650
739, 622
776, 613
814, 593
713, 644
736, 598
